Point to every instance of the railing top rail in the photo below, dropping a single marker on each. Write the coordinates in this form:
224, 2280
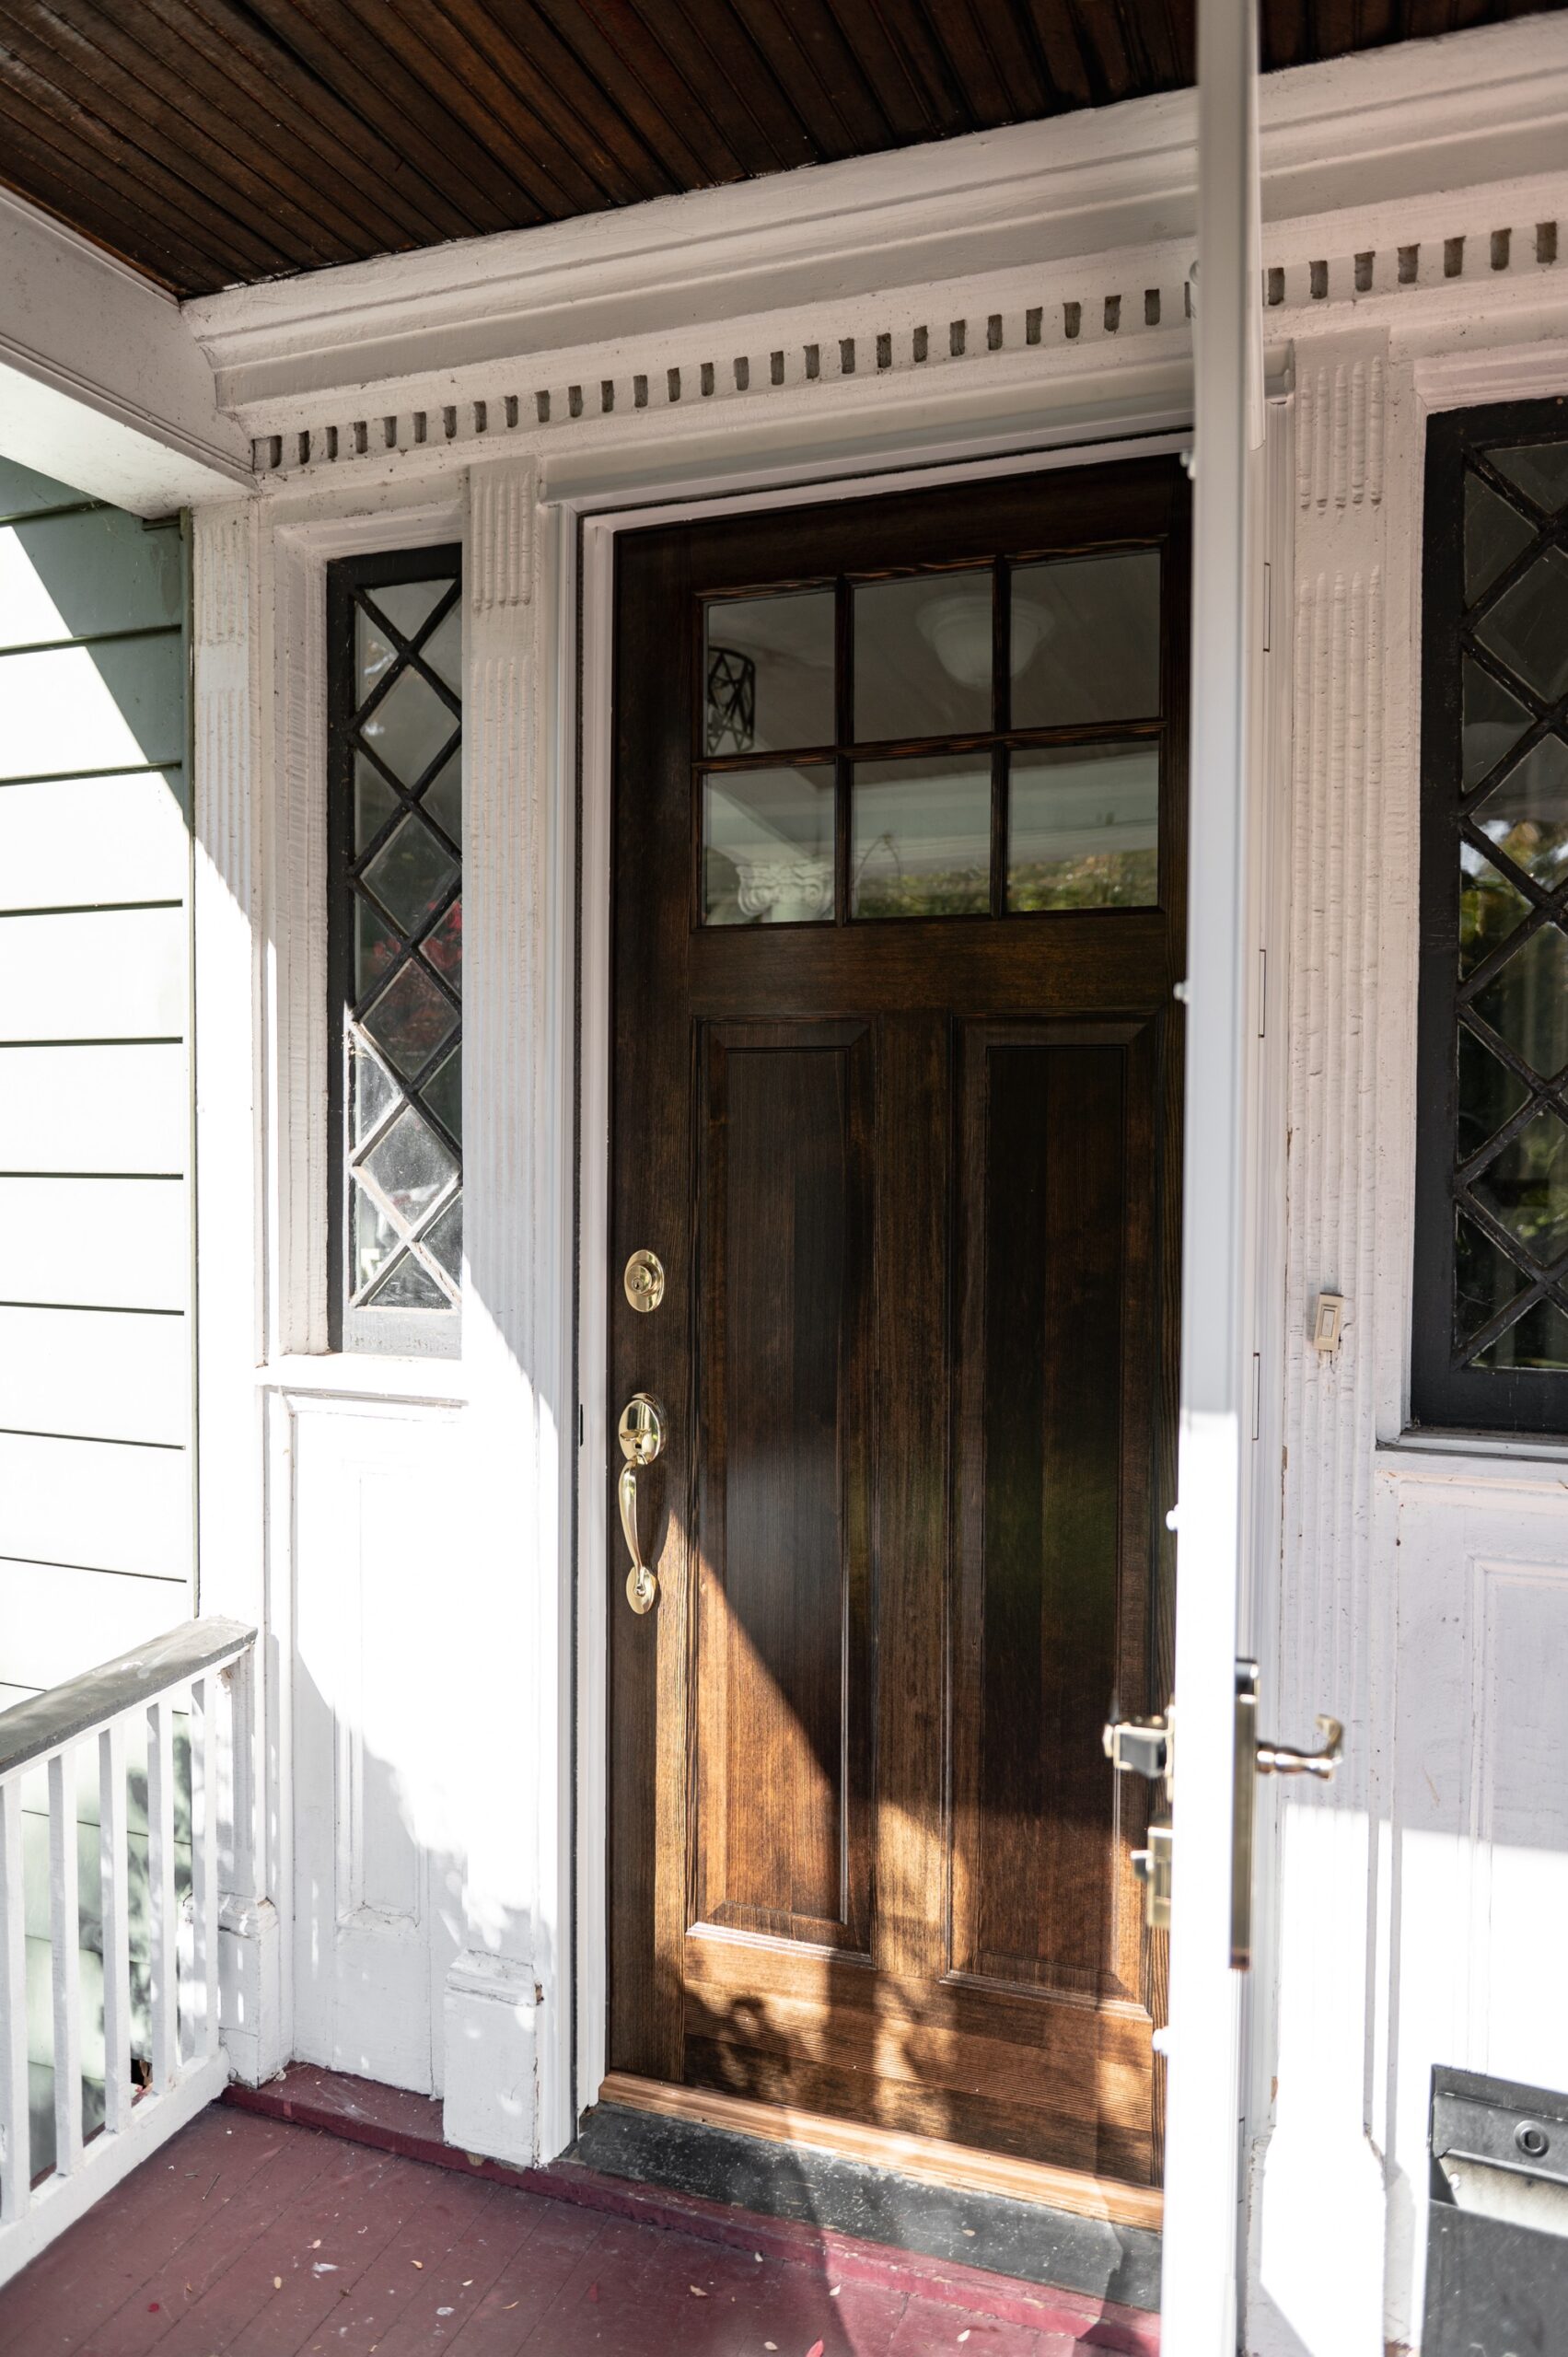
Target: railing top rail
29, 1730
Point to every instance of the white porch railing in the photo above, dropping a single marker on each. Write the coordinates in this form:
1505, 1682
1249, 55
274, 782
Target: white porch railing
111, 1790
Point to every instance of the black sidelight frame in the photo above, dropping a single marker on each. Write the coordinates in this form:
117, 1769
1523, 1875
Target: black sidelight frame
359, 1324
1448, 1388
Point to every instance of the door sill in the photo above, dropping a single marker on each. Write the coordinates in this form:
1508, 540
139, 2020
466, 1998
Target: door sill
926, 2158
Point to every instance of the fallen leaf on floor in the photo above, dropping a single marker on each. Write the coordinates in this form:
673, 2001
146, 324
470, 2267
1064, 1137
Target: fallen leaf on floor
965, 2334
970, 2231
467, 2280
475, 2160
445, 2311
509, 2307
833, 2291
696, 2291
316, 2243
816, 2349
770, 2344
416, 2262
323, 2265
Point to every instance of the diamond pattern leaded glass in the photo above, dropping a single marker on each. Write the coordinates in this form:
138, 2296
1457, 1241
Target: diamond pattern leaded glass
1510, 1182
398, 915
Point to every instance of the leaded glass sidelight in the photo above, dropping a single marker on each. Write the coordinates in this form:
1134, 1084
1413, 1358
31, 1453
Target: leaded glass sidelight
1491, 1321
395, 950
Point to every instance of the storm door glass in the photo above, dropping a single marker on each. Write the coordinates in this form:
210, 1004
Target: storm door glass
1490, 1327
395, 950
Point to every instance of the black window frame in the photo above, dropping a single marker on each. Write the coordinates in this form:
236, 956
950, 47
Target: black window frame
1446, 1393
402, 1332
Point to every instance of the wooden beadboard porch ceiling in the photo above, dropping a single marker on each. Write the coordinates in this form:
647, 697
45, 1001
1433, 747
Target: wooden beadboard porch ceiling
212, 142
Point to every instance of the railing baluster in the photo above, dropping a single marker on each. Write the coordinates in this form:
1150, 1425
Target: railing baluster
153, 1686
16, 2157
163, 1926
65, 1956
113, 1867
205, 1693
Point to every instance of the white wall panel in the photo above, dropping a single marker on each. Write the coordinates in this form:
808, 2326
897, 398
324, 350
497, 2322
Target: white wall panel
96, 1373
96, 1243
88, 841
117, 1110
105, 1505
56, 1622
94, 974
378, 1738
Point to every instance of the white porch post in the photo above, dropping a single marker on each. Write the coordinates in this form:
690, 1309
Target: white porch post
1203, 2146
229, 738
509, 1987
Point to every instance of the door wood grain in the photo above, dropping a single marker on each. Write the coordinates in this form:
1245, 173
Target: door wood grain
914, 1183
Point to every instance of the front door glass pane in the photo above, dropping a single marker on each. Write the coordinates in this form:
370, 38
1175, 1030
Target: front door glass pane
920, 843
769, 673
768, 845
922, 656
1083, 828
1086, 639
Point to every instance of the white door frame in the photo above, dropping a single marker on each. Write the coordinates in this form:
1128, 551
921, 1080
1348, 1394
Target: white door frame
593, 531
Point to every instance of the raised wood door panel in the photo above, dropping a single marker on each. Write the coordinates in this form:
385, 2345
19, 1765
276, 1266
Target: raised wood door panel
783, 1673
1057, 1363
914, 1182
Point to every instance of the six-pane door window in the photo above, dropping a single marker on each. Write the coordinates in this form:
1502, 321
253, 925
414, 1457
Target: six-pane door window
395, 948
979, 739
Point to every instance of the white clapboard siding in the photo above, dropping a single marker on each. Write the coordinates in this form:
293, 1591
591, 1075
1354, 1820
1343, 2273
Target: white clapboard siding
69, 576
114, 1109
113, 1506
89, 842
94, 974
95, 1243
96, 1374
56, 1622
116, 705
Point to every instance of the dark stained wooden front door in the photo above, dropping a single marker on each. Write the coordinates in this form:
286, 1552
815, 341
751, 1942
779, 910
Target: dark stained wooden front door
895, 1101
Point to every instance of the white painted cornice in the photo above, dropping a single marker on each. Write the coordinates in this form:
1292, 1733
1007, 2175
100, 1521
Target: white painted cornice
101, 383
1385, 127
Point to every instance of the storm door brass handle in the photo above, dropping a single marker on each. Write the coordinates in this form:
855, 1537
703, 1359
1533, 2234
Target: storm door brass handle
641, 1435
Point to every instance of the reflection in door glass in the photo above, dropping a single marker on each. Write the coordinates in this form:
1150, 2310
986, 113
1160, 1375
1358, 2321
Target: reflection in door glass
922, 656
769, 673
768, 846
1086, 639
920, 840
1083, 828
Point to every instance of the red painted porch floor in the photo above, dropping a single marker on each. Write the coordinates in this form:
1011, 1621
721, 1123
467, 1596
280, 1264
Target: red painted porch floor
262, 2237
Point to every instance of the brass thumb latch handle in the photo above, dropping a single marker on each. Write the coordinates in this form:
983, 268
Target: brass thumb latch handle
641, 1435
1282, 1759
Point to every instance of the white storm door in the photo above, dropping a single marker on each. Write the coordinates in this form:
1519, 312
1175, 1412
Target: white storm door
1201, 2157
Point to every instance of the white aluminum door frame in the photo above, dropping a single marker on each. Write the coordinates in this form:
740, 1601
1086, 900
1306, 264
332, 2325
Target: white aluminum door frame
1202, 2142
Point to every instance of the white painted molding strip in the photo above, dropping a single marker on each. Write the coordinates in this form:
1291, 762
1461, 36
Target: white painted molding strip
1493, 248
